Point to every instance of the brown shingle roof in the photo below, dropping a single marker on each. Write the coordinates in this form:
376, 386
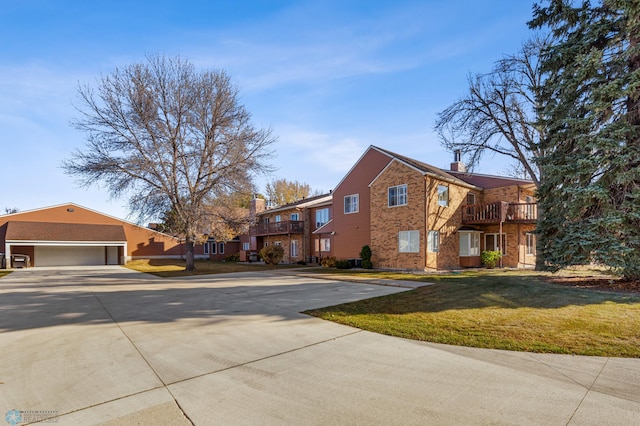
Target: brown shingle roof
47, 231
426, 168
489, 182
478, 180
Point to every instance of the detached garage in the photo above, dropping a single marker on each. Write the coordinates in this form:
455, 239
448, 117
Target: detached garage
71, 235
66, 244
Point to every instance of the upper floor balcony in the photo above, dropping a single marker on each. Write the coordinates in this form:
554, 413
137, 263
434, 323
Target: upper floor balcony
278, 228
501, 211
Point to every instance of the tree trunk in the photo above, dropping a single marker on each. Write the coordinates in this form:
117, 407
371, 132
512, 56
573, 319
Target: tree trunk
191, 265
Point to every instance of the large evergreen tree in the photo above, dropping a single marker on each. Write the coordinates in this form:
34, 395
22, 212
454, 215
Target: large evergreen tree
590, 197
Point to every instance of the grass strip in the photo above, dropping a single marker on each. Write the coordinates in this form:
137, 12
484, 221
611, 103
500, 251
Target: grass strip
176, 267
514, 310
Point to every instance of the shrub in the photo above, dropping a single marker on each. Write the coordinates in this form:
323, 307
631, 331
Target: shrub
328, 262
301, 262
365, 255
490, 258
272, 255
343, 264
232, 257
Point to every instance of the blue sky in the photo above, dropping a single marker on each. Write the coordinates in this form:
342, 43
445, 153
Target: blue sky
328, 77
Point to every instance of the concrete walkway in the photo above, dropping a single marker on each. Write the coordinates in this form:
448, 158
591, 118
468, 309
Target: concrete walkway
112, 346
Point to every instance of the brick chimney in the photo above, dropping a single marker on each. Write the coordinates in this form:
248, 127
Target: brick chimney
458, 165
257, 205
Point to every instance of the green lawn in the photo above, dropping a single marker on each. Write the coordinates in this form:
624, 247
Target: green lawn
175, 267
515, 310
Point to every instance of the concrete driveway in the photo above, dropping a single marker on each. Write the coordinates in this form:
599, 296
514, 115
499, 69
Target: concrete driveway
108, 345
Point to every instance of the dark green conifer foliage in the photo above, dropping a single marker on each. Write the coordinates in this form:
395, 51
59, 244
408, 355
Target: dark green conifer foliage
590, 197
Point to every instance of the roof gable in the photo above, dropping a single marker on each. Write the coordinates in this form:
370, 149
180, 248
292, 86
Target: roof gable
71, 213
425, 169
362, 157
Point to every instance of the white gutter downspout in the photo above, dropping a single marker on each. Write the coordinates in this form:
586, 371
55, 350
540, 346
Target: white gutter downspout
7, 255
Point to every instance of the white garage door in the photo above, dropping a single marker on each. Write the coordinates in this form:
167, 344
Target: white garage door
69, 256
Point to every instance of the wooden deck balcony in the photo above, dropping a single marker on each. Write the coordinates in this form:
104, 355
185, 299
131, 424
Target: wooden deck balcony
278, 228
493, 213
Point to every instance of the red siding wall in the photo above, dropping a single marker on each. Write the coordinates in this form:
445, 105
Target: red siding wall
353, 230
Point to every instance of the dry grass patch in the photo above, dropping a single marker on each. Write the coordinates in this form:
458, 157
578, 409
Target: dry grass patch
512, 310
175, 267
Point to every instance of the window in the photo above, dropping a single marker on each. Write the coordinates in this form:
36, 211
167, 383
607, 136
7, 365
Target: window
221, 248
351, 204
397, 195
443, 195
495, 243
471, 198
213, 247
294, 216
409, 241
278, 243
469, 244
278, 218
245, 246
322, 217
206, 248
294, 248
433, 241
325, 244
530, 209
531, 245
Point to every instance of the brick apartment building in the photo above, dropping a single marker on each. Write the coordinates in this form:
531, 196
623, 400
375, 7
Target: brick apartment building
412, 215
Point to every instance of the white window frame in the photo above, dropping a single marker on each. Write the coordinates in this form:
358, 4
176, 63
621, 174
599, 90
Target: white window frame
399, 196
221, 248
214, 247
294, 248
433, 241
472, 246
206, 247
277, 218
530, 249
325, 244
246, 246
443, 195
409, 241
321, 215
503, 240
351, 203
294, 217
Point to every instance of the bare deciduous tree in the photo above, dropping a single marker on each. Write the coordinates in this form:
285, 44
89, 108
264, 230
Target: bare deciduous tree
171, 139
499, 114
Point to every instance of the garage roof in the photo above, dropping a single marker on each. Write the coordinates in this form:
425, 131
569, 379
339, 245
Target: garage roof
48, 231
